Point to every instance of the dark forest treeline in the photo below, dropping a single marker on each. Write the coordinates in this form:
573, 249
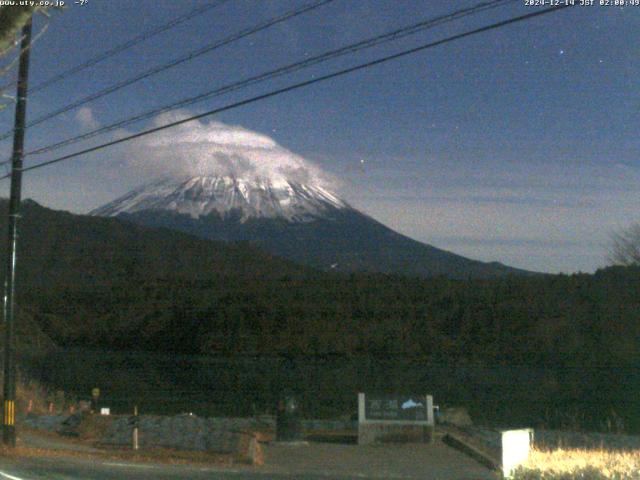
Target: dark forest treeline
96, 282
546, 320
107, 283
580, 334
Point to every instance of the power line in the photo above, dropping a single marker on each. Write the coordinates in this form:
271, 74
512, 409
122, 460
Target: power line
185, 58
7, 68
122, 47
293, 67
128, 44
299, 85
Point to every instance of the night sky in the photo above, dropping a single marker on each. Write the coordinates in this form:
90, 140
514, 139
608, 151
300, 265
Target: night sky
518, 145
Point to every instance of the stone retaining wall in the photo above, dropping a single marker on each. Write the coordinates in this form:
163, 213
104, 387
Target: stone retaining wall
53, 423
181, 432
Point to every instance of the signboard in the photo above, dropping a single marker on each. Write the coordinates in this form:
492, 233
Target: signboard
401, 408
396, 407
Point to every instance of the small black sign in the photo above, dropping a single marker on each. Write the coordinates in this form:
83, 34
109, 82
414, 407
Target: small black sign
396, 407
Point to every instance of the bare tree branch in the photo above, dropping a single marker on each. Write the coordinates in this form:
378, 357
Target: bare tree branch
625, 246
12, 19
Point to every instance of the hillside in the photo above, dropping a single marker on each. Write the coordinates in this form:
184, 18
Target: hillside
77, 272
62, 248
304, 223
346, 241
83, 275
105, 283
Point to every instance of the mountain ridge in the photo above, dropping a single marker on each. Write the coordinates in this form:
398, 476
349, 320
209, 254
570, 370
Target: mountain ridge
105, 283
257, 197
303, 223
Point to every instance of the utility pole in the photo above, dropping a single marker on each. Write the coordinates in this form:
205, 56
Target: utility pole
9, 392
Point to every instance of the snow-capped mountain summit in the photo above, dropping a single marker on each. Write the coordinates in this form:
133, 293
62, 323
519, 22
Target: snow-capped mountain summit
303, 222
229, 196
224, 182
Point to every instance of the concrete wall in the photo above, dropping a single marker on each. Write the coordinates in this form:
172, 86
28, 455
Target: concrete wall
389, 433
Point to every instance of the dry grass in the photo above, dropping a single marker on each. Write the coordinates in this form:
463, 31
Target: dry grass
32, 396
152, 455
581, 464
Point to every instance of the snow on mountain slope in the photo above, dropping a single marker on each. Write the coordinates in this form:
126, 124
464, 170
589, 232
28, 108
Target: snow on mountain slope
253, 197
227, 183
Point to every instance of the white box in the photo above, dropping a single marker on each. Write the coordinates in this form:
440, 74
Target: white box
516, 446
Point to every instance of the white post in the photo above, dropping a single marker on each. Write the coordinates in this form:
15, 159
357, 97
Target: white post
516, 446
430, 420
361, 410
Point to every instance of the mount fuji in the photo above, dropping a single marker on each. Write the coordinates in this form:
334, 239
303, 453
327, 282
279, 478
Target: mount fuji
303, 222
229, 197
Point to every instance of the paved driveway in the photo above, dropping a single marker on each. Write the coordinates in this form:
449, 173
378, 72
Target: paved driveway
411, 461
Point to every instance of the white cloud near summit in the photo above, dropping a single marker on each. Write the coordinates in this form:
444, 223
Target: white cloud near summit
199, 148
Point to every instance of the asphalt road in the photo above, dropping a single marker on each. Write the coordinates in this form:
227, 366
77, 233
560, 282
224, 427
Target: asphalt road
71, 468
56, 469
298, 460
68, 469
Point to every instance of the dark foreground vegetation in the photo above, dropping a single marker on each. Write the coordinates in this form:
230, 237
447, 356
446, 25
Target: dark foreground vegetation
556, 349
